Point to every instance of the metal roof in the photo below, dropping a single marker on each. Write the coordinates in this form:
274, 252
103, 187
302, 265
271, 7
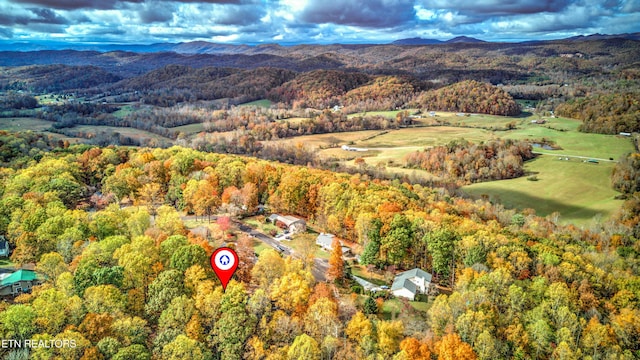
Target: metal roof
20, 275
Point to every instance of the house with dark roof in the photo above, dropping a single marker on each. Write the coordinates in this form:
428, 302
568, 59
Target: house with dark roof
4, 247
20, 281
292, 223
410, 283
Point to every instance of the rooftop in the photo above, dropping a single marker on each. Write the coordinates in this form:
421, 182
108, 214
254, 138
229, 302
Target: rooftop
20, 275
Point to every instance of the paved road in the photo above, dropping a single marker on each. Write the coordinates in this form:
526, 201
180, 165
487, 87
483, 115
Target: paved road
319, 265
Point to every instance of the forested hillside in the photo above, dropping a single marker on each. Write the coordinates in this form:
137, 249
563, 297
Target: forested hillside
466, 162
471, 97
132, 283
605, 113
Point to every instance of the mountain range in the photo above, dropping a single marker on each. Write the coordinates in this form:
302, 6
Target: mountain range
204, 47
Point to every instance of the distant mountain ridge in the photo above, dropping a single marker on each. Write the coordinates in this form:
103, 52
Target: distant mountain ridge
205, 47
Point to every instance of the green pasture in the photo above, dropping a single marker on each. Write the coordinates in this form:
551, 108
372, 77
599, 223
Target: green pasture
124, 111
261, 103
579, 191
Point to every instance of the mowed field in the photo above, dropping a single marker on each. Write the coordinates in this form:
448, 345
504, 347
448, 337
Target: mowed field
578, 190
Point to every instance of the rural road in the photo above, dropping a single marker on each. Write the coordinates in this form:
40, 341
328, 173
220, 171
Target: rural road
319, 265
574, 156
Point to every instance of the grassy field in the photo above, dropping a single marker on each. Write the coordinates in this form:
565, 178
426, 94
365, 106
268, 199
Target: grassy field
190, 129
579, 191
24, 124
389, 114
124, 111
262, 103
325, 140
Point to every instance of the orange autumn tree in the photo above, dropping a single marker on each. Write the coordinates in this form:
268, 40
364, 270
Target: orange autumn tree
451, 347
336, 264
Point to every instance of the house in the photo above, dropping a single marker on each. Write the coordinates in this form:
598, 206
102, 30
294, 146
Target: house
410, 283
293, 224
4, 247
325, 241
19, 282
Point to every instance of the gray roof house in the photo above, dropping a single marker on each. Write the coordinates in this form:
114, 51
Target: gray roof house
411, 282
293, 224
325, 241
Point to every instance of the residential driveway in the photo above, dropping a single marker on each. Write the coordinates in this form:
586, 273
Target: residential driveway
367, 285
319, 265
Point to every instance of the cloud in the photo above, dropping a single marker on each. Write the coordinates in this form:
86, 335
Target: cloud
47, 16
240, 15
155, 12
6, 33
364, 13
498, 7
311, 21
71, 4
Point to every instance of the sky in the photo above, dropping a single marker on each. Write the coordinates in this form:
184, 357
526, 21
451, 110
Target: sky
310, 21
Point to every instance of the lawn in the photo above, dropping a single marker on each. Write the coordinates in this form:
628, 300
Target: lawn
579, 191
259, 246
300, 242
258, 223
362, 272
392, 308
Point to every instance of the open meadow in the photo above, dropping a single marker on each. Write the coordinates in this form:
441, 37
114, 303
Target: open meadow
578, 190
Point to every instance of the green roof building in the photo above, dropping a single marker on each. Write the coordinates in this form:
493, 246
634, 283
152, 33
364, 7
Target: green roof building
19, 282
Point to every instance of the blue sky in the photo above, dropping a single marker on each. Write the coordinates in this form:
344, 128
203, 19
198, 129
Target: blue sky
310, 21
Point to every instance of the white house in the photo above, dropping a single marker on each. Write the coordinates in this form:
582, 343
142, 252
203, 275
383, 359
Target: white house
411, 282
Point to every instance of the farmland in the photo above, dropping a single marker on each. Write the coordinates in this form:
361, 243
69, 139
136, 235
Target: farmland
577, 190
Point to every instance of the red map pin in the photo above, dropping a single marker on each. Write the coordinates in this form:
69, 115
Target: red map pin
224, 261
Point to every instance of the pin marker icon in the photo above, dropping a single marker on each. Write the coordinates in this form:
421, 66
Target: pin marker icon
224, 262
